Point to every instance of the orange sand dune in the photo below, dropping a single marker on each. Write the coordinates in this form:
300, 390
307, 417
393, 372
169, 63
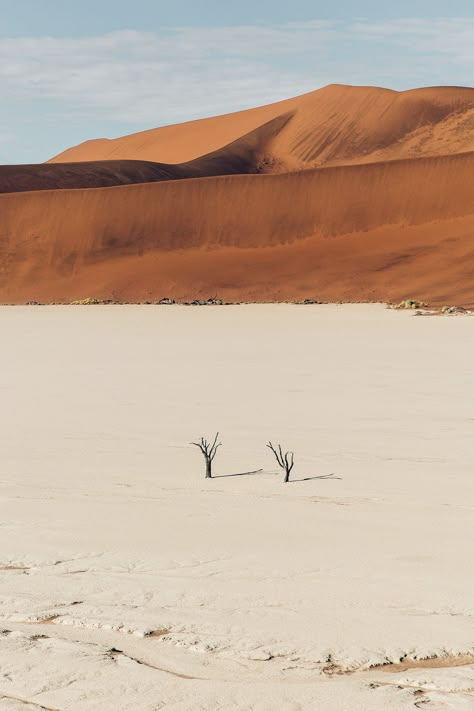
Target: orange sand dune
347, 193
337, 123
368, 232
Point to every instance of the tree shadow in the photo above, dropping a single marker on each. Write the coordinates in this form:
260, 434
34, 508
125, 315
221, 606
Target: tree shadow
224, 476
331, 477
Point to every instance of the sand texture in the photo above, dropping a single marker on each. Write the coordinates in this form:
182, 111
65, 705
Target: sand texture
128, 581
343, 194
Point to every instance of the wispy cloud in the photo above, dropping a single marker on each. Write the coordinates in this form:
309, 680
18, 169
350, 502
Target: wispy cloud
447, 39
148, 78
138, 76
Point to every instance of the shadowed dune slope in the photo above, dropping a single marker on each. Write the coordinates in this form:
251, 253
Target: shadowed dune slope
381, 231
243, 156
334, 124
91, 174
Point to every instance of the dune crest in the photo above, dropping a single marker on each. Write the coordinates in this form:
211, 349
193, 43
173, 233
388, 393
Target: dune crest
346, 193
336, 123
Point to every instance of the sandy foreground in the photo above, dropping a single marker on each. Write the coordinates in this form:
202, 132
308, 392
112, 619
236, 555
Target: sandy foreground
128, 581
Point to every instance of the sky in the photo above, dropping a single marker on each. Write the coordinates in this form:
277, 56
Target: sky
73, 70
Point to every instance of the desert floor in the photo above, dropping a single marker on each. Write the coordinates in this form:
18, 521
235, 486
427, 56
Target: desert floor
128, 581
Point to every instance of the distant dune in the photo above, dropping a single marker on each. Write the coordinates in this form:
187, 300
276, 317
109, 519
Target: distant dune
346, 193
337, 123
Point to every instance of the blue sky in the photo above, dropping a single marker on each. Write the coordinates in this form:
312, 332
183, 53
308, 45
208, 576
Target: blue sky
71, 70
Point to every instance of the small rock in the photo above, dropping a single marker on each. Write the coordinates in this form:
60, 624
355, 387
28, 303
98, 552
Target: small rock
257, 655
453, 310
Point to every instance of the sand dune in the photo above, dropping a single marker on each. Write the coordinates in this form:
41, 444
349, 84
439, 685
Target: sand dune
243, 156
367, 232
346, 193
331, 124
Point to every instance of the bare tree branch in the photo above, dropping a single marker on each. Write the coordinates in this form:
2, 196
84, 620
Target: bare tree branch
209, 452
285, 460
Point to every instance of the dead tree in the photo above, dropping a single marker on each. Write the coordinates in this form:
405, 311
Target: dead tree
285, 460
209, 452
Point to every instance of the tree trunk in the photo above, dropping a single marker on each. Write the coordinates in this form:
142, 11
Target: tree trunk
287, 475
208, 469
